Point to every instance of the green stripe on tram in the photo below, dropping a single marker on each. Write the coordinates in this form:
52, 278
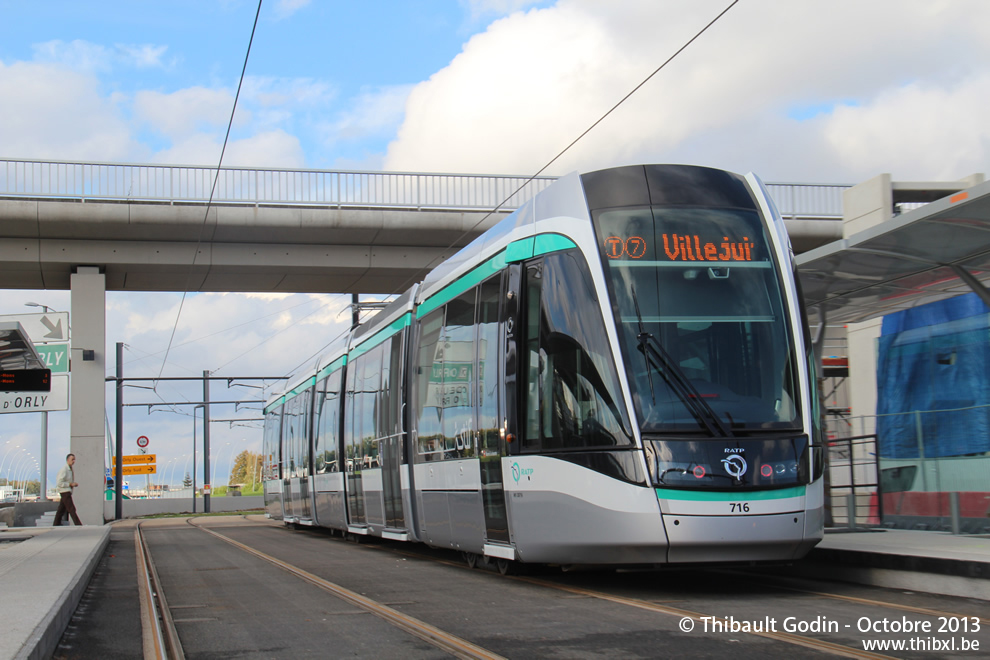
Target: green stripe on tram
301, 387
720, 496
524, 248
275, 404
380, 336
332, 367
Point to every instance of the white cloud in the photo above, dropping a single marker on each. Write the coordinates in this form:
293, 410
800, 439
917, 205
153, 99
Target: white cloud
84, 56
373, 113
286, 8
480, 8
532, 82
54, 112
184, 111
941, 125
144, 56
78, 55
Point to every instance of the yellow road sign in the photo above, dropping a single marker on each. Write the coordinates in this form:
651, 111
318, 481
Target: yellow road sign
139, 469
134, 459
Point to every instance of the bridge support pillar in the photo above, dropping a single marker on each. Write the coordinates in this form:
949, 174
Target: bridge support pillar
87, 401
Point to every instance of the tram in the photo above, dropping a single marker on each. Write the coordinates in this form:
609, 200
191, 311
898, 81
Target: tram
618, 373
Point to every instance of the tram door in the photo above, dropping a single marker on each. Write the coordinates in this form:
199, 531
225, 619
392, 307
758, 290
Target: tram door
493, 317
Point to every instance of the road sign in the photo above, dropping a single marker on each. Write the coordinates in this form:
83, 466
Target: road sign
56, 399
142, 442
43, 328
135, 459
138, 469
55, 357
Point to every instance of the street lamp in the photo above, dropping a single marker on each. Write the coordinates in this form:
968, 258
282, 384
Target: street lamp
26, 472
34, 304
6, 454
15, 463
213, 480
171, 474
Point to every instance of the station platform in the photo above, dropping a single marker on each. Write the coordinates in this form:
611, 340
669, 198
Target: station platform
45, 571
43, 574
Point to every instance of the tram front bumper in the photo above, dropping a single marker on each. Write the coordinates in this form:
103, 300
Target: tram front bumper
742, 538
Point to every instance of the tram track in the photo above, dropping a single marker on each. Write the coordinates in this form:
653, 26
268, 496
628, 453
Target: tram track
924, 611
462, 648
807, 642
161, 639
699, 617
164, 639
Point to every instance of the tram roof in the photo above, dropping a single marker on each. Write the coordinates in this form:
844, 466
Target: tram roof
902, 263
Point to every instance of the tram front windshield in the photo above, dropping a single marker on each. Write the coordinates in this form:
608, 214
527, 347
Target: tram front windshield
703, 327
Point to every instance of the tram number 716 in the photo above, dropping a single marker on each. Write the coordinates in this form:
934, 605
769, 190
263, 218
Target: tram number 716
739, 507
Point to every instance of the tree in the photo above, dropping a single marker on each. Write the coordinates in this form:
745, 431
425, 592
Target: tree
187, 481
240, 471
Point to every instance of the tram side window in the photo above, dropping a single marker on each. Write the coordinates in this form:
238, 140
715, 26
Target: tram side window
295, 428
571, 389
289, 439
273, 430
361, 431
390, 395
457, 372
428, 408
445, 380
305, 419
327, 408
489, 297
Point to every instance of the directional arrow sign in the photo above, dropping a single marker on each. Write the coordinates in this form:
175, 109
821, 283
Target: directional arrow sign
135, 459
43, 328
138, 469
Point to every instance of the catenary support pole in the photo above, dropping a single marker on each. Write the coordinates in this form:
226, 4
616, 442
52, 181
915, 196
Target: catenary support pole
118, 470
43, 477
206, 442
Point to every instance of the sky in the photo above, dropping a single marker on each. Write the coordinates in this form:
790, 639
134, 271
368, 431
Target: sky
833, 91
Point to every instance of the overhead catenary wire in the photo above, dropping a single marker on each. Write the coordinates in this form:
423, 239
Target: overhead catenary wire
213, 188
576, 140
476, 224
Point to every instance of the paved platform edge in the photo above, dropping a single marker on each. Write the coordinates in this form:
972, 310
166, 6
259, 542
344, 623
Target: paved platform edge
43, 640
963, 578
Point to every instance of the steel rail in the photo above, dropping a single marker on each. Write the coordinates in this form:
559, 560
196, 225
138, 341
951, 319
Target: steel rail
698, 617
456, 646
165, 643
856, 599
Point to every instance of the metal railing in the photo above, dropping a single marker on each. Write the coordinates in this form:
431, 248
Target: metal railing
80, 181
855, 480
237, 185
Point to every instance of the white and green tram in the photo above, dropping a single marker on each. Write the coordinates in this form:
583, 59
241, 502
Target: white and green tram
619, 373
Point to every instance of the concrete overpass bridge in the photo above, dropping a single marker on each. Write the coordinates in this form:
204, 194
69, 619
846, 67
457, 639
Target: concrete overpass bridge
146, 227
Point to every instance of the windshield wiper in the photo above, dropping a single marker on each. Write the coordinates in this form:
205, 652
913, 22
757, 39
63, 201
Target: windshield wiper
658, 358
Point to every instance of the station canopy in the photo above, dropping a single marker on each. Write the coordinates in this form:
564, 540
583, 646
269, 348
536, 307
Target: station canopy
927, 254
16, 349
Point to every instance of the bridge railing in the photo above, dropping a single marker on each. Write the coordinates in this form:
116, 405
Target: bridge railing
338, 188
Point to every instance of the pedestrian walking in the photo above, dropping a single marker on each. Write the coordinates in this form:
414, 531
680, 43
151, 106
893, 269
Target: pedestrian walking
64, 483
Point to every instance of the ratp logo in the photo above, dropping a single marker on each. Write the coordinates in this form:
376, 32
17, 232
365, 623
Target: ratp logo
735, 465
518, 472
